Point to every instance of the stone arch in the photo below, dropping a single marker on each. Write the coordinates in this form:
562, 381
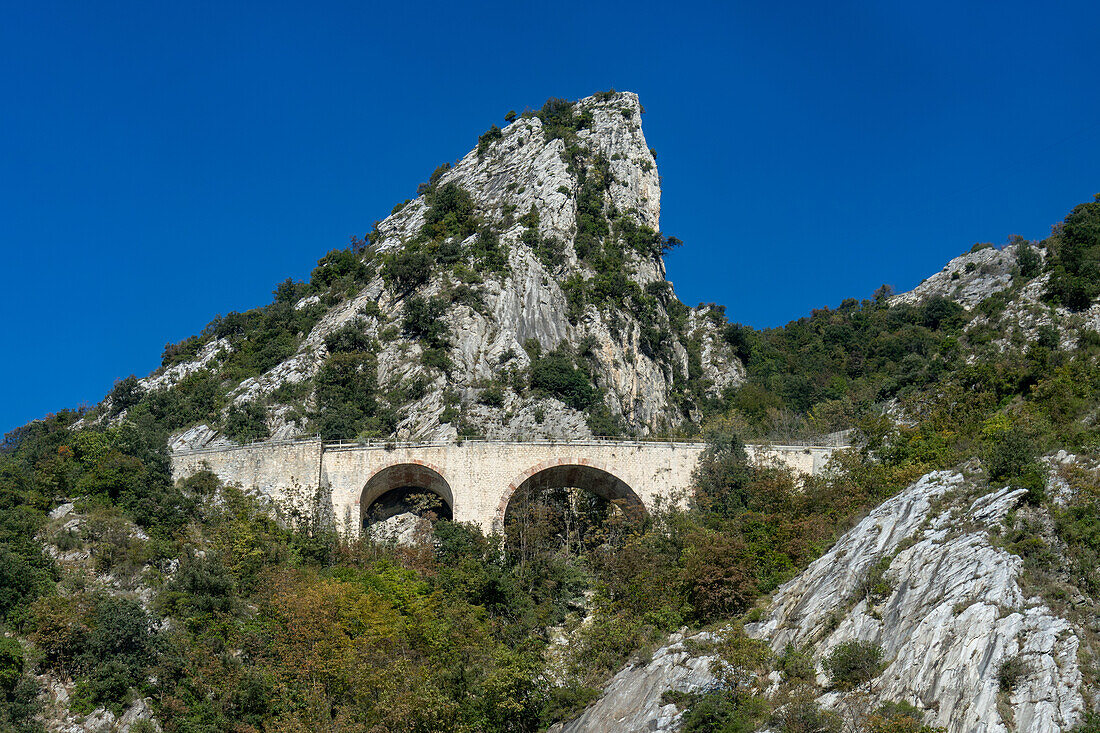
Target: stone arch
580, 473
411, 473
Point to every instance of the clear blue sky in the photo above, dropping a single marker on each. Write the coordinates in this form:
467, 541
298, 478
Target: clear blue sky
164, 162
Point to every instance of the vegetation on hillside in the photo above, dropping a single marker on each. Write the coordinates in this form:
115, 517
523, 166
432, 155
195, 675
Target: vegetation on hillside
233, 614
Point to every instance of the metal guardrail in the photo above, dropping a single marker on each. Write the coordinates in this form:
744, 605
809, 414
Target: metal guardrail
599, 441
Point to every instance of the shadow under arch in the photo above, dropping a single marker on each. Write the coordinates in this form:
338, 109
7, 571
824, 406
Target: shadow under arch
404, 478
576, 474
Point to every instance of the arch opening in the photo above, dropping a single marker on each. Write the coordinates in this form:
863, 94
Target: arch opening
405, 488
571, 508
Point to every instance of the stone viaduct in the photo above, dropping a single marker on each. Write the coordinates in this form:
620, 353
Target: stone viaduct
475, 478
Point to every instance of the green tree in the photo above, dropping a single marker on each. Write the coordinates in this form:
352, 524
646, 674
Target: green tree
246, 422
450, 212
1028, 260
347, 388
721, 479
557, 375
1075, 258
11, 663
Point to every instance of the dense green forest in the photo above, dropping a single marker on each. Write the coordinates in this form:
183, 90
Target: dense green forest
235, 615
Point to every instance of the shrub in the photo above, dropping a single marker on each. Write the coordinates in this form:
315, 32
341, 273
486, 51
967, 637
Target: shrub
741, 339
1047, 337
339, 264
202, 586
796, 665
1011, 672
407, 269
450, 212
347, 388
853, 663
557, 375
719, 575
423, 320
22, 576
246, 422
1091, 724
802, 714
185, 350
721, 478
437, 358
60, 628
875, 585
939, 312
1011, 458
493, 134
1087, 339
348, 338
603, 423
722, 711
487, 252
493, 396
11, 663
113, 475
560, 121
643, 240
426, 188
899, 717
125, 394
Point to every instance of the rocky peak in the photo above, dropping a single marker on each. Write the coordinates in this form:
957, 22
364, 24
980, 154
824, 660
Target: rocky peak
531, 164
969, 278
520, 294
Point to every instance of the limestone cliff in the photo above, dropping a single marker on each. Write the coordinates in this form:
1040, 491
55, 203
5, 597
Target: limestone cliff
952, 614
548, 242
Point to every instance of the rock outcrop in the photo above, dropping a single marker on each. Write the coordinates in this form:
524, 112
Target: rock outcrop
634, 700
954, 613
1018, 313
969, 278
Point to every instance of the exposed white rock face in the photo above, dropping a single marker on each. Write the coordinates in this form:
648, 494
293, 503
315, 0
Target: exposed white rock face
1026, 313
57, 718
721, 368
955, 614
969, 278
178, 372
199, 436
631, 702
403, 530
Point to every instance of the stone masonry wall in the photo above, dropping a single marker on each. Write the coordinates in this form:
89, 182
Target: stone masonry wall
481, 475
